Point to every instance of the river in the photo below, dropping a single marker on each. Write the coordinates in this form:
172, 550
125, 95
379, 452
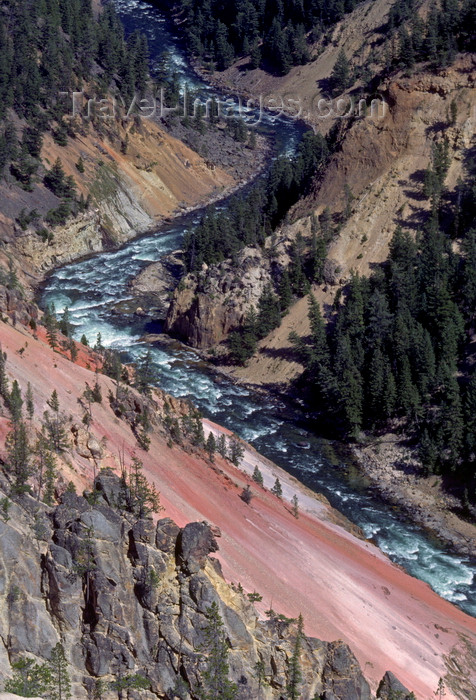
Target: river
91, 289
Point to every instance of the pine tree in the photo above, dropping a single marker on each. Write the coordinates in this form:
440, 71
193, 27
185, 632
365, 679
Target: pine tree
285, 292
144, 498
215, 682
222, 446
29, 679
15, 402
145, 375
51, 325
223, 49
428, 453
295, 503
4, 384
318, 257
269, 314
236, 451
55, 179
65, 325
130, 682
210, 446
30, 405
257, 476
295, 673
60, 680
277, 488
406, 52
50, 477
54, 424
73, 350
340, 78
40, 451
18, 456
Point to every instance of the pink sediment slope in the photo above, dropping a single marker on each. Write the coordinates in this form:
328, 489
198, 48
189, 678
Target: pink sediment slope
344, 586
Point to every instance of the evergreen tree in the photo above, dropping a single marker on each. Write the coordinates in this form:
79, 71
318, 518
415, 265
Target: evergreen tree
277, 488
340, 78
54, 424
145, 375
295, 673
269, 314
285, 292
243, 343
130, 682
222, 446
258, 476
4, 384
210, 446
65, 325
60, 680
295, 503
30, 405
51, 325
215, 682
15, 403
50, 477
55, 179
29, 679
18, 456
143, 497
236, 451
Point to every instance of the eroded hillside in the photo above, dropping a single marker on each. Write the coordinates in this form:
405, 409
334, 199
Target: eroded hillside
346, 587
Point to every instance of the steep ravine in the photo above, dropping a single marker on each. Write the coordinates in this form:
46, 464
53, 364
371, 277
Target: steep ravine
158, 178
346, 588
142, 604
93, 299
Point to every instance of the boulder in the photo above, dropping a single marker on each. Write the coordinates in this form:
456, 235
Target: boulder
196, 542
166, 535
110, 487
390, 688
342, 676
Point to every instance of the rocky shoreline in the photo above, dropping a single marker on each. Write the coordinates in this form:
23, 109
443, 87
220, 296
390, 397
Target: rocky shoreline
395, 474
110, 245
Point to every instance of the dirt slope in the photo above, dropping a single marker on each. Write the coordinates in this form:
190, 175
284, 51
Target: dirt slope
136, 174
382, 161
344, 586
357, 34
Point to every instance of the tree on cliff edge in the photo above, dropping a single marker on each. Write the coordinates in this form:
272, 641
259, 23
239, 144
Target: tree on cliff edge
60, 680
29, 679
215, 682
295, 673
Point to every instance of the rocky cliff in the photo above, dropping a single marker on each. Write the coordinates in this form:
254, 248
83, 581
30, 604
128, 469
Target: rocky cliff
380, 165
345, 587
140, 604
135, 173
205, 307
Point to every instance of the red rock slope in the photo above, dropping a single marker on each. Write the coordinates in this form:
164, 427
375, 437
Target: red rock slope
344, 586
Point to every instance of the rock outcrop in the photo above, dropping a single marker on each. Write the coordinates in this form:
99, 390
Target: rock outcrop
153, 287
127, 595
130, 192
206, 306
390, 688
